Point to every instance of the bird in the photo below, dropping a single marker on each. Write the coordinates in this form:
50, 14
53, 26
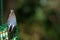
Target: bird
11, 20
11, 24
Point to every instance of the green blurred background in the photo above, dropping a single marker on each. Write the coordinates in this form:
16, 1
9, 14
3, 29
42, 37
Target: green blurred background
36, 19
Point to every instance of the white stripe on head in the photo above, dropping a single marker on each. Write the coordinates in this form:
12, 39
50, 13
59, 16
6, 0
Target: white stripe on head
12, 11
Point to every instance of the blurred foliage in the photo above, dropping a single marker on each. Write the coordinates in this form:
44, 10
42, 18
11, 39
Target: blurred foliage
38, 13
